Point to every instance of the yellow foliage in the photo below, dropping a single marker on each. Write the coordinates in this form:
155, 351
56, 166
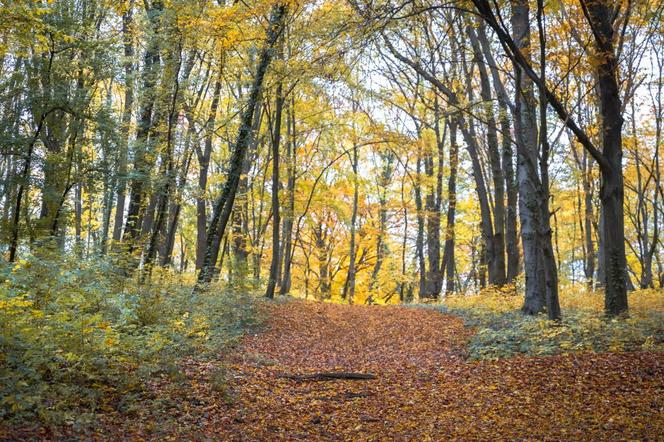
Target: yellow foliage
500, 300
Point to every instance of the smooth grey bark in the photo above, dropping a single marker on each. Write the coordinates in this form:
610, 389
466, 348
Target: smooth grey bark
498, 239
544, 229
530, 186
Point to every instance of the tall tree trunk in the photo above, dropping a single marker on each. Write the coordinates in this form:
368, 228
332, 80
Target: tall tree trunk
224, 203
167, 178
286, 256
498, 239
384, 180
544, 229
601, 15
504, 105
203, 167
448, 254
142, 163
276, 221
433, 204
419, 242
527, 157
349, 287
127, 39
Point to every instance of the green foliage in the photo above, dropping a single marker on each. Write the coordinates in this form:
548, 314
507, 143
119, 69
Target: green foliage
502, 331
78, 337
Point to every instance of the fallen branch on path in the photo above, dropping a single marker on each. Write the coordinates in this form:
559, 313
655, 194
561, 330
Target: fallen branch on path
329, 376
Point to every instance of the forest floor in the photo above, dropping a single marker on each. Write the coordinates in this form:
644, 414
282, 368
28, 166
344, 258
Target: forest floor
424, 389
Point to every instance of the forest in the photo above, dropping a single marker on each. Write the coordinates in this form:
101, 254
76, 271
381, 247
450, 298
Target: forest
331, 220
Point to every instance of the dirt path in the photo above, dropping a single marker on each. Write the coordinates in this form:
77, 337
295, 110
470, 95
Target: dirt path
424, 390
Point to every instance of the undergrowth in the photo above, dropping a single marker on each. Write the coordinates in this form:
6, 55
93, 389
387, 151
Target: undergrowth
79, 337
503, 331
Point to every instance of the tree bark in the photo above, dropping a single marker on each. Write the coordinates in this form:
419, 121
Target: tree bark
600, 16
224, 203
142, 164
276, 223
203, 157
286, 256
448, 254
498, 239
127, 39
349, 287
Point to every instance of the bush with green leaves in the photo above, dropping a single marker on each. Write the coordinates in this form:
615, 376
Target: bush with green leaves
503, 331
79, 336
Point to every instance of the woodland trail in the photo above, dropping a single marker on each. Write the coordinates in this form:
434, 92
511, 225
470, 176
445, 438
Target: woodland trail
424, 390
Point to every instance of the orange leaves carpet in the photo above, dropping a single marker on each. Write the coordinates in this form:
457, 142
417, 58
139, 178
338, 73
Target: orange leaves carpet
424, 389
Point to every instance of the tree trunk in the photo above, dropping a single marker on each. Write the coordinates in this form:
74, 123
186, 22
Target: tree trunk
203, 167
276, 140
286, 256
224, 203
127, 38
419, 242
498, 239
349, 287
448, 254
599, 14
529, 184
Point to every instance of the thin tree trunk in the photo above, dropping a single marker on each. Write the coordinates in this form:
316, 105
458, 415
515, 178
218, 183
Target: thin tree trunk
349, 287
127, 37
448, 254
419, 242
276, 140
498, 239
286, 256
142, 164
224, 203
203, 167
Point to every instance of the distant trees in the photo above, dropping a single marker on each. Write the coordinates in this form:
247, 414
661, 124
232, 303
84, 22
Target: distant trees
402, 150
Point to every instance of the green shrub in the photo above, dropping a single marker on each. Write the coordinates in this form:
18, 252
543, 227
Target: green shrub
503, 331
78, 336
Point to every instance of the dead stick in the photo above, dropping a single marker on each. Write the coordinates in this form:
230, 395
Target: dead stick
328, 376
